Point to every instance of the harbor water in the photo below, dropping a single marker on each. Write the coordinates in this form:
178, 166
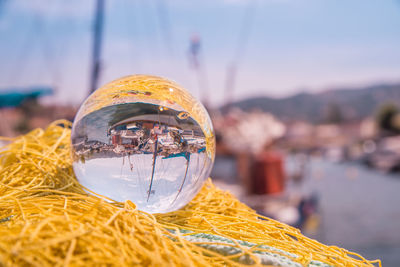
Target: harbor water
359, 208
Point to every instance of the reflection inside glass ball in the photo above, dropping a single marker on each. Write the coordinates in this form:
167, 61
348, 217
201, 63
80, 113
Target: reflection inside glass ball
141, 147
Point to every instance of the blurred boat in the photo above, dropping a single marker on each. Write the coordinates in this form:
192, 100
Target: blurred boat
386, 156
14, 97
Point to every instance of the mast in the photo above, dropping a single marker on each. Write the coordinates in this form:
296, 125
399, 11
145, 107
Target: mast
97, 44
154, 166
187, 156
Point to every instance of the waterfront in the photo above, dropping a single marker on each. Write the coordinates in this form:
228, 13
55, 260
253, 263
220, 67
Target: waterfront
358, 207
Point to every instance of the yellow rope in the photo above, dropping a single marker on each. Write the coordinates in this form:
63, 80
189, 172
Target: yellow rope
47, 219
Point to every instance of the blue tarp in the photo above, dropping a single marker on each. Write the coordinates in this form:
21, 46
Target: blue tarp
15, 97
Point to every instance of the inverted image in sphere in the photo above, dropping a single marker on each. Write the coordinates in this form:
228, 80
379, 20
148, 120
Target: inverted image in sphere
145, 139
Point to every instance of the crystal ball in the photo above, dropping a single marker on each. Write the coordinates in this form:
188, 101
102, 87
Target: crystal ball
145, 139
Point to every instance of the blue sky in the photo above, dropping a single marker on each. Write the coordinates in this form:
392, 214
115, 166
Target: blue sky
293, 45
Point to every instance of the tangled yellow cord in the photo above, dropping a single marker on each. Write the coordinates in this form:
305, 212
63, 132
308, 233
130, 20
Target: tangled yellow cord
46, 219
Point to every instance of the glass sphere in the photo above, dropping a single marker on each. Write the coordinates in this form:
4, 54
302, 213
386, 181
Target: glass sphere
145, 139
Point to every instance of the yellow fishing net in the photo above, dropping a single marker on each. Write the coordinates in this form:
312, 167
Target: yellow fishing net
46, 219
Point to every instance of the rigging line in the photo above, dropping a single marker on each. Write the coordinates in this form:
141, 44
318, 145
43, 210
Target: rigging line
159, 123
135, 169
153, 168
139, 163
184, 178
154, 48
165, 25
203, 83
244, 34
130, 163
202, 169
242, 41
59, 47
165, 169
122, 165
196, 59
66, 45
129, 12
163, 166
198, 162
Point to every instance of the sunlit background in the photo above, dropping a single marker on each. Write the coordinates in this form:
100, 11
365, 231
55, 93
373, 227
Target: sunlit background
304, 95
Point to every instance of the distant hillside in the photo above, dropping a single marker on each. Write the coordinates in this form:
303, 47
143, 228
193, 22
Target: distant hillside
338, 104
